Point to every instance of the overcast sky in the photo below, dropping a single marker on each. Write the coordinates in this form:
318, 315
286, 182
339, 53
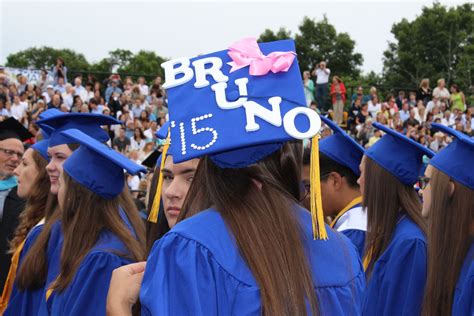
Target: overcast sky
187, 28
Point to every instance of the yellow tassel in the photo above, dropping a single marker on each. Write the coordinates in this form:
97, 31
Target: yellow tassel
8, 287
317, 215
155, 208
367, 259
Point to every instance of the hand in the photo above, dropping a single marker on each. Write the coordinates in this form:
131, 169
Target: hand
124, 288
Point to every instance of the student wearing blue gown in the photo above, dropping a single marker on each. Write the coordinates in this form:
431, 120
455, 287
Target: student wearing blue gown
448, 203
33, 186
339, 161
91, 187
242, 244
395, 258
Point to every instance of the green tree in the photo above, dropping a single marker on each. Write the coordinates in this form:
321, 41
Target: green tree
144, 62
318, 41
45, 57
437, 44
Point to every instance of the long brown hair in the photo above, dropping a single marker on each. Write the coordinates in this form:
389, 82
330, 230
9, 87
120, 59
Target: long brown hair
449, 238
81, 235
264, 225
385, 198
35, 205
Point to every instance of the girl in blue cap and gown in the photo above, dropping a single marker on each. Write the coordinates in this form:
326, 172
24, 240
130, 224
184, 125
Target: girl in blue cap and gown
395, 255
242, 244
448, 203
339, 162
92, 186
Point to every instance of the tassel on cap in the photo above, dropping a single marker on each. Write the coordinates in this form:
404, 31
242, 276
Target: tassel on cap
155, 208
317, 215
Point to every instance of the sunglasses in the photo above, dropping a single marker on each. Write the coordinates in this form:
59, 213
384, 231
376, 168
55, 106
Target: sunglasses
423, 182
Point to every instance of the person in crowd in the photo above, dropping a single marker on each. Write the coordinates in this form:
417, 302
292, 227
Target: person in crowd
19, 110
338, 97
59, 70
33, 186
111, 89
457, 99
441, 92
60, 86
424, 91
308, 87
144, 89
122, 142
339, 161
395, 250
374, 106
44, 80
95, 107
12, 136
138, 141
55, 102
322, 74
448, 201
92, 185
405, 111
400, 99
352, 116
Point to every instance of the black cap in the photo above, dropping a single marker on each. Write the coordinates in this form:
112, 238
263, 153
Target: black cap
11, 128
151, 160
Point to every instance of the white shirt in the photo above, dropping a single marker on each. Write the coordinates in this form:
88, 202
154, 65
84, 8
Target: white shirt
134, 183
322, 76
144, 89
149, 134
355, 218
374, 108
19, 110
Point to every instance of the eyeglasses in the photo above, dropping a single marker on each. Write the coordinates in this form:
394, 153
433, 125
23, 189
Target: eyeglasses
423, 181
305, 187
10, 153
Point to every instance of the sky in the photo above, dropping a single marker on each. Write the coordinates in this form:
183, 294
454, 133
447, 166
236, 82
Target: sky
187, 28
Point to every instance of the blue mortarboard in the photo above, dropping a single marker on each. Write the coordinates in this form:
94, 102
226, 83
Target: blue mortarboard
42, 148
97, 166
238, 117
457, 159
399, 155
45, 129
88, 123
162, 133
341, 148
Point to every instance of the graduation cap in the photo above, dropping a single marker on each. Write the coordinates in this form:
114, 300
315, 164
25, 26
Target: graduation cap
42, 148
86, 122
240, 105
457, 159
399, 155
97, 166
151, 160
45, 129
11, 128
341, 148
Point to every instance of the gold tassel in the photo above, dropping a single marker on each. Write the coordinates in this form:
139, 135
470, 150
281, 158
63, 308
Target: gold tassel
155, 208
367, 259
317, 215
8, 287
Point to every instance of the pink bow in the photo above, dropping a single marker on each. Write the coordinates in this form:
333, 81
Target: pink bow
246, 52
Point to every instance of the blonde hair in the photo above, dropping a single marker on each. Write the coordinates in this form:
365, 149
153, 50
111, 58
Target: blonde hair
424, 81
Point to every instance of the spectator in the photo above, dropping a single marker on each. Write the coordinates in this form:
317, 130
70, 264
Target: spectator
405, 111
150, 133
144, 90
420, 111
412, 99
363, 114
372, 93
55, 102
375, 137
137, 108
160, 109
64, 108
400, 99
338, 96
458, 100
391, 104
22, 82
94, 107
432, 103
381, 118
308, 88
59, 70
121, 143
80, 90
38, 108
441, 92
353, 112
147, 150
396, 123
89, 94
358, 95
19, 111
448, 119
322, 79
374, 106
84, 109
113, 88
411, 121
424, 91
68, 96
138, 141
48, 94
44, 81
60, 86
365, 131
77, 104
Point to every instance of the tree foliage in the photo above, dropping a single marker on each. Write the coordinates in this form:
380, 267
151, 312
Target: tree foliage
318, 41
437, 44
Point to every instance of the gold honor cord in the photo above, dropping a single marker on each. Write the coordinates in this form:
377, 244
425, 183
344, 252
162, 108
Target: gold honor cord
7, 289
355, 201
317, 215
155, 208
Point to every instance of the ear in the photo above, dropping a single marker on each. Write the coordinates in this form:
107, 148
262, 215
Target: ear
452, 188
337, 181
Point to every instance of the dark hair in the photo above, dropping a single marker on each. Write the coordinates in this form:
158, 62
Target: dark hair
449, 238
142, 136
388, 97
93, 101
385, 197
262, 221
327, 165
455, 86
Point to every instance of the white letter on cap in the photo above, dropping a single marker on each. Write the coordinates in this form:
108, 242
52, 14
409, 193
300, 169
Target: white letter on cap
253, 109
171, 72
214, 71
289, 122
221, 99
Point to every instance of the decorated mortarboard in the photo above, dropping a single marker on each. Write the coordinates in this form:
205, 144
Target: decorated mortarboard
11, 128
97, 166
240, 105
457, 159
88, 123
399, 155
341, 148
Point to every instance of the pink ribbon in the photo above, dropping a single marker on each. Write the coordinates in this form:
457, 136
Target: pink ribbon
247, 53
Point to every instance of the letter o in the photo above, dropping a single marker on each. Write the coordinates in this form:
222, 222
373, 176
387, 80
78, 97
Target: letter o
289, 122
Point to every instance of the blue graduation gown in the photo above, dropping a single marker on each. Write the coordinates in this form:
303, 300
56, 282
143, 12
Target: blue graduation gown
397, 284
25, 302
87, 292
353, 224
463, 302
197, 269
